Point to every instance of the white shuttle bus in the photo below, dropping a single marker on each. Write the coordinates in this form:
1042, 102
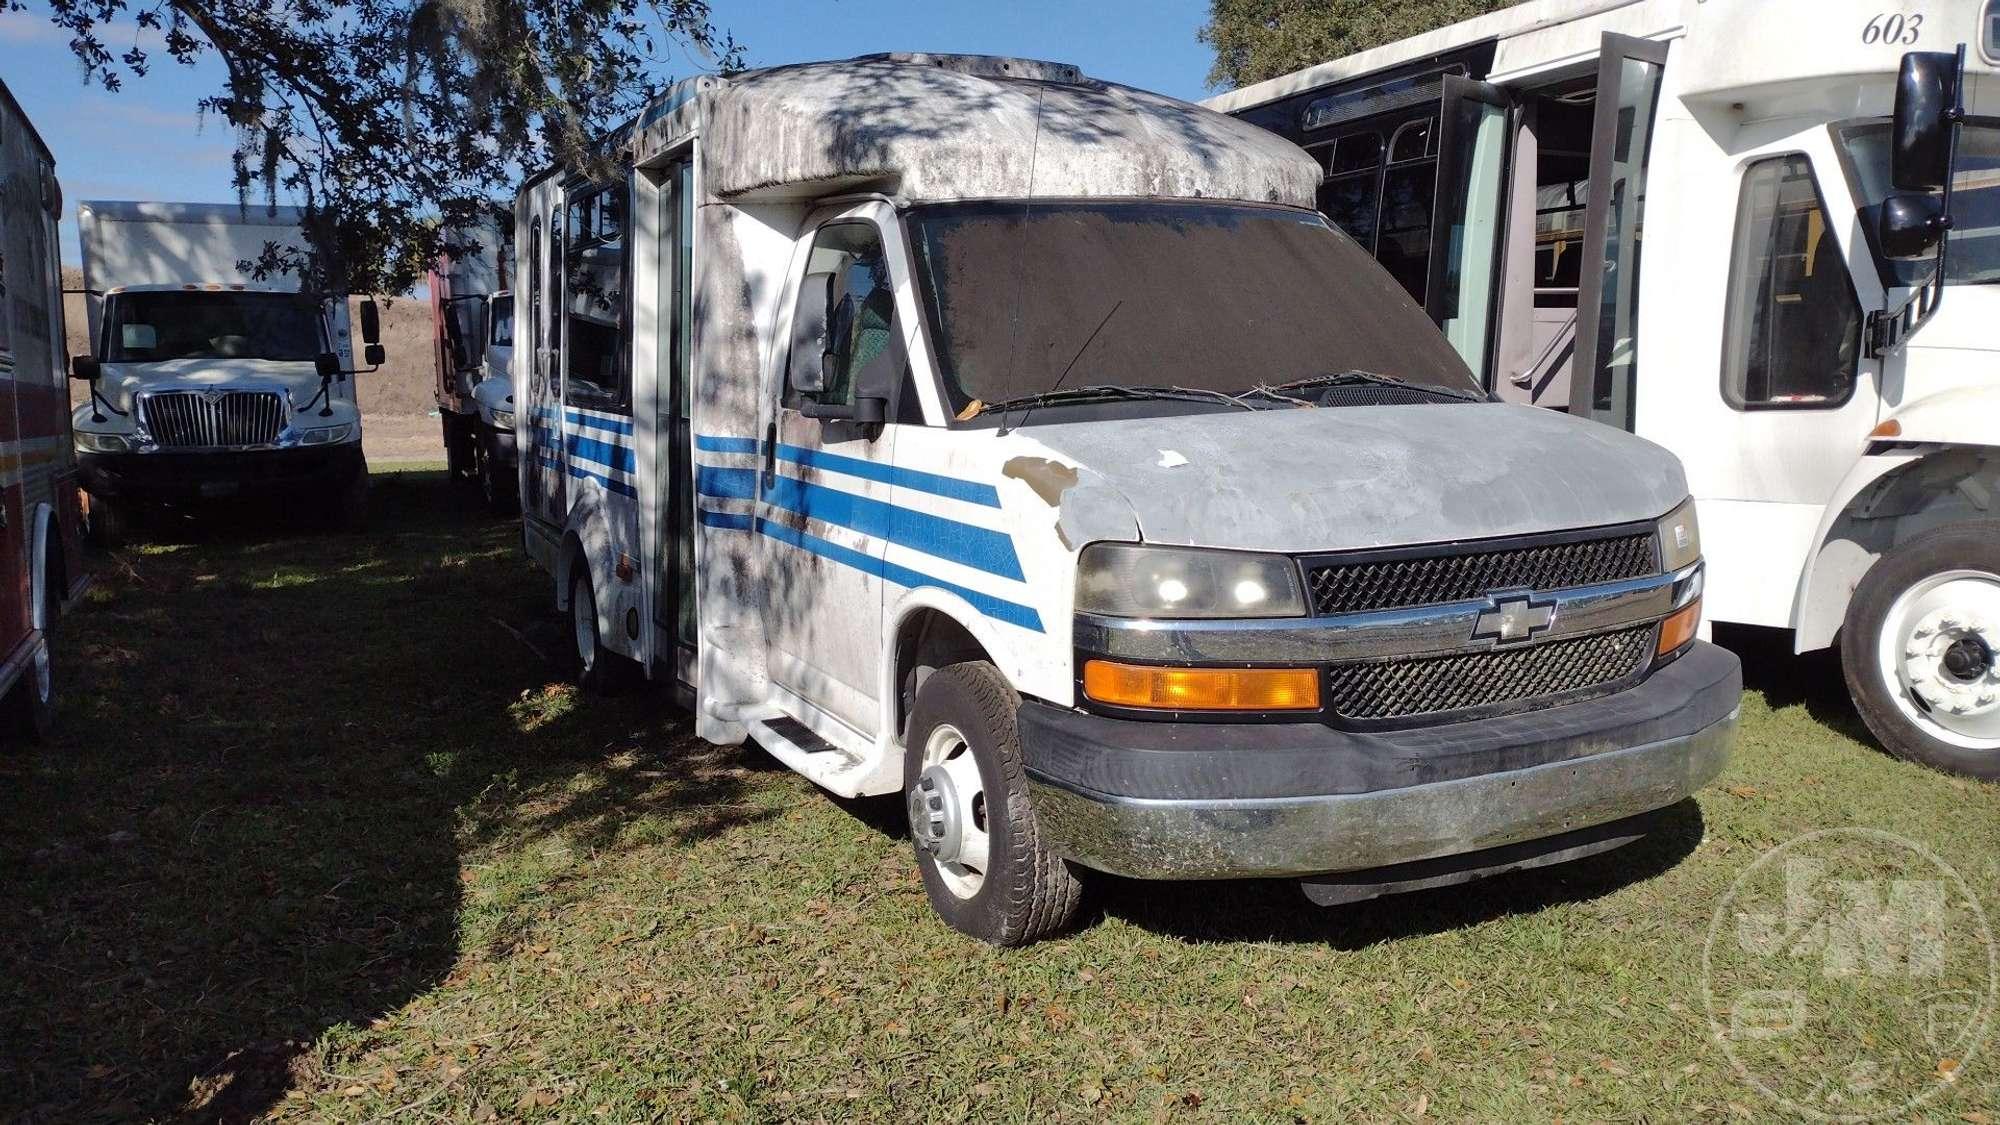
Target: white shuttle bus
1667, 215
925, 419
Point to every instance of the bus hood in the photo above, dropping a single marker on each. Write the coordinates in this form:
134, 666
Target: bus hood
1345, 478
122, 381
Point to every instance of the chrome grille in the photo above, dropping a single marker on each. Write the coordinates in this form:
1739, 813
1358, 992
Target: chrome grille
1397, 689
204, 420
1344, 587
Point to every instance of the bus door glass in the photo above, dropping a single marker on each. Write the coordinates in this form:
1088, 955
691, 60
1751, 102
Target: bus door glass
1467, 223
673, 491
1628, 94
14, 583
547, 470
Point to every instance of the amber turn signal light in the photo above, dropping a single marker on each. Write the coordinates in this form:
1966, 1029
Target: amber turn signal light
1677, 631
1201, 689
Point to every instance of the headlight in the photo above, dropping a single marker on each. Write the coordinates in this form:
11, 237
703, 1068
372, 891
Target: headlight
503, 419
1130, 580
328, 435
1680, 538
102, 443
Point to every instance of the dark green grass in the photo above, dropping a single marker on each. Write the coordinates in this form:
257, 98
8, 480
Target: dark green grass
326, 837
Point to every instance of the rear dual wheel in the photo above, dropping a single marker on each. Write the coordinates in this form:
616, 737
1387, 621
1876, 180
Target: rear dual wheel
30, 708
1921, 649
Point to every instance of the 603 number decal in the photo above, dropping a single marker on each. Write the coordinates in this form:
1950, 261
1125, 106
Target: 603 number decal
1893, 28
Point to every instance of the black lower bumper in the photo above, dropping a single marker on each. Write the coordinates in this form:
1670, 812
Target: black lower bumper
1212, 800
182, 478
502, 446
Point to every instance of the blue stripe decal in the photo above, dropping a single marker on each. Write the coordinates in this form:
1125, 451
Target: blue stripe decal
966, 544
725, 444
951, 488
997, 608
622, 488
661, 109
612, 425
603, 453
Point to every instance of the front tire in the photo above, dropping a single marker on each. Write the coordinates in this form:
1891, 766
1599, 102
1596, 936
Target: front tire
110, 522
986, 867
30, 708
496, 489
1920, 649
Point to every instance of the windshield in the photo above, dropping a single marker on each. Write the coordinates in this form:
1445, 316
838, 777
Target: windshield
184, 324
1974, 257
1213, 297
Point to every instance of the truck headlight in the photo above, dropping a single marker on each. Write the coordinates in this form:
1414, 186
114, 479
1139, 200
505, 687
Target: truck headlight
503, 419
102, 443
1133, 580
327, 435
1680, 538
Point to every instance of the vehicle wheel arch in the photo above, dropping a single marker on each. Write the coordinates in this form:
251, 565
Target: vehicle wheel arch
928, 629
1887, 499
51, 568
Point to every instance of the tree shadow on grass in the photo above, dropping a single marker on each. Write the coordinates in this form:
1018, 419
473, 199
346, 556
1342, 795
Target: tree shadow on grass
277, 748
1276, 910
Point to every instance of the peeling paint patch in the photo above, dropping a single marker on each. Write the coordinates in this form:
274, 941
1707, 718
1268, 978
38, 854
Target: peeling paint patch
1049, 479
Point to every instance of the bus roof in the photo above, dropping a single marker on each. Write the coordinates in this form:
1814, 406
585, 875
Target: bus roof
925, 127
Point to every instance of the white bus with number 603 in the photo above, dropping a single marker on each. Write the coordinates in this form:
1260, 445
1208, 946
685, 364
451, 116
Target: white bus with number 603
919, 417
1669, 215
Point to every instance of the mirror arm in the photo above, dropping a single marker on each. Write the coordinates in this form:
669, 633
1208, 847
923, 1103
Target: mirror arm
97, 400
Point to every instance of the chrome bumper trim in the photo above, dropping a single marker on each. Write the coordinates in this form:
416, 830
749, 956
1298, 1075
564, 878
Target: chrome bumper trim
1381, 634
1294, 836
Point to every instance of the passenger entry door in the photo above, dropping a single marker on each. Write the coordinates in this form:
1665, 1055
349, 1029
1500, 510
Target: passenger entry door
545, 473
1469, 221
824, 498
1605, 372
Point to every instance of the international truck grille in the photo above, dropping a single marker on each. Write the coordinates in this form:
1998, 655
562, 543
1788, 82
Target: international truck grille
201, 420
1399, 689
1435, 579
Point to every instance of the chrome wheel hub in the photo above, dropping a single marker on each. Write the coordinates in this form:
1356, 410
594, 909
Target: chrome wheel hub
947, 808
1938, 653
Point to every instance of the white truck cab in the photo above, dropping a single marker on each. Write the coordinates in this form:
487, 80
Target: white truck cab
207, 385
472, 318
1024, 444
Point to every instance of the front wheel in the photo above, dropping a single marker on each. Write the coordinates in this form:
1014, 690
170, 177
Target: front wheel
109, 523
1921, 649
30, 708
599, 670
986, 867
496, 484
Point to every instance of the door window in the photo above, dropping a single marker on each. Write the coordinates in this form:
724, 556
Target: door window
860, 310
1628, 93
1793, 334
594, 301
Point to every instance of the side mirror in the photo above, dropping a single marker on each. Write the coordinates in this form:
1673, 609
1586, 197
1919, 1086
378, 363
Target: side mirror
85, 368
373, 355
806, 369
1920, 140
327, 364
1911, 226
371, 322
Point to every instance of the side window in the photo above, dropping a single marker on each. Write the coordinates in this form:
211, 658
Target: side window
594, 297
1792, 338
861, 336
503, 323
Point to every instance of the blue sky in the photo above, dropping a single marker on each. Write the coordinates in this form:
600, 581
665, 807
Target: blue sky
147, 141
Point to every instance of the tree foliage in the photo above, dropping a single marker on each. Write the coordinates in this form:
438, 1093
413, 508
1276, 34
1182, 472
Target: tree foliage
1259, 39
395, 122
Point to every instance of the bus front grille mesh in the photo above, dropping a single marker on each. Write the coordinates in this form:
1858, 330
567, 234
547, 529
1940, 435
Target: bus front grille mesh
1398, 689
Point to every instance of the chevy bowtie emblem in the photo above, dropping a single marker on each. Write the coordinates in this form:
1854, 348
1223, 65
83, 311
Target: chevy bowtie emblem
1514, 619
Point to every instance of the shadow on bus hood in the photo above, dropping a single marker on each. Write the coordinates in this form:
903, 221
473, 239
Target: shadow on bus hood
298, 378
1369, 476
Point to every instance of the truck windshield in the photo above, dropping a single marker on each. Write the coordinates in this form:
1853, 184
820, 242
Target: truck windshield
1196, 296
1974, 257
148, 327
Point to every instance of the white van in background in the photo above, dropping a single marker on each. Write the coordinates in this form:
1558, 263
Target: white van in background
1669, 216
206, 384
472, 316
913, 415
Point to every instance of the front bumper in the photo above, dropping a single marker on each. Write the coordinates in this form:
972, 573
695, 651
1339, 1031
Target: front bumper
1161, 800
168, 477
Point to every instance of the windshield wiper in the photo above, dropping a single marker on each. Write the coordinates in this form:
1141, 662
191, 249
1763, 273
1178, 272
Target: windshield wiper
1107, 392
1357, 377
